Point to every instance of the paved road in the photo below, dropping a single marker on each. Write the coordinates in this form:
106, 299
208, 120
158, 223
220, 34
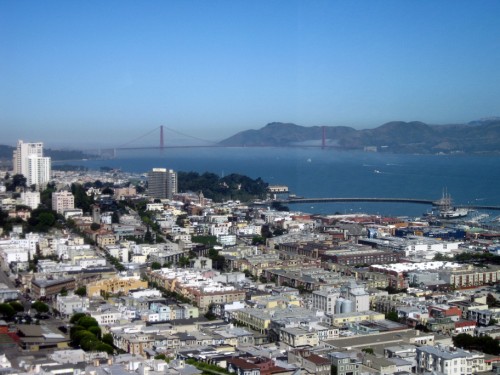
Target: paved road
6, 280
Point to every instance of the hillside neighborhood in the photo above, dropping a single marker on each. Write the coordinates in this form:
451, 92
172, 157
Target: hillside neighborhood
105, 272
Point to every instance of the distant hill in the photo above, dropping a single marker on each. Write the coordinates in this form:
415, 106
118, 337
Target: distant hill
477, 137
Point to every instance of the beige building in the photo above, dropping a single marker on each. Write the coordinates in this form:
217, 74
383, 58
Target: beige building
195, 288
115, 285
471, 277
105, 240
299, 337
62, 200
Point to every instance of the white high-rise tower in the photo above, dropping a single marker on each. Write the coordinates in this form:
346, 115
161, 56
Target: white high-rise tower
29, 161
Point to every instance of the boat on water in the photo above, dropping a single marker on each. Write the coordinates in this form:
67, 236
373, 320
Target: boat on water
453, 213
446, 209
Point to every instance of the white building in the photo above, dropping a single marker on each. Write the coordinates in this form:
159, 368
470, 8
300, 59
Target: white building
31, 199
12, 254
62, 200
106, 315
21, 154
119, 252
325, 300
39, 170
227, 239
29, 161
449, 360
358, 296
71, 304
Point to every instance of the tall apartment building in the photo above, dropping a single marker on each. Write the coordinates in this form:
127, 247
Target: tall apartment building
171, 183
29, 161
39, 169
62, 200
162, 183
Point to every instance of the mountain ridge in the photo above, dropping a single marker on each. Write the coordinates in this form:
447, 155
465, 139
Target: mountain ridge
476, 137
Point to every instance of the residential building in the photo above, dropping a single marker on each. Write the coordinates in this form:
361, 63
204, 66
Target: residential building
157, 183
49, 288
312, 363
62, 200
325, 300
345, 363
39, 171
449, 360
21, 154
162, 183
29, 161
115, 285
31, 199
69, 305
299, 337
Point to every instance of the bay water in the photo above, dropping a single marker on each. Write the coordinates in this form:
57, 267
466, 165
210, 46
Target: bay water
314, 173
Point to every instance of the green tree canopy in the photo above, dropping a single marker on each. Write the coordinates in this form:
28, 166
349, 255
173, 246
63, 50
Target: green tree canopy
40, 307
7, 311
107, 338
81, 291
87, 322
18, 306
76, 317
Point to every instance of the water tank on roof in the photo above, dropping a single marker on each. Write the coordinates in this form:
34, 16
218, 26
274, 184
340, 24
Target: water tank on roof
346, 306
338, 305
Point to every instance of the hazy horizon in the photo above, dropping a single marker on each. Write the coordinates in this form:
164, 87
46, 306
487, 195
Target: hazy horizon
101, 73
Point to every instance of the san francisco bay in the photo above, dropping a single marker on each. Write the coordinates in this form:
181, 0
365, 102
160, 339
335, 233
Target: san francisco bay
313, 172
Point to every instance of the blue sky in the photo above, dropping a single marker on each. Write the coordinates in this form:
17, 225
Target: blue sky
105, 72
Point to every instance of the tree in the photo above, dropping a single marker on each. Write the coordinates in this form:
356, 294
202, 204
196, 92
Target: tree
78, 335
491, 300
82, 200
392, 315
107, 338
210, 315
64, 292
184, 262
367, 350
40, 307
76, 317
155, 266
107, 191
7, 310
95, 226
96, 330
18, 181
87, 322
258, 240
486, 344
103, 347
81, 291
18, 306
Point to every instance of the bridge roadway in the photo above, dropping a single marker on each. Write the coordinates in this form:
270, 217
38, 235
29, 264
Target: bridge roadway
379, 200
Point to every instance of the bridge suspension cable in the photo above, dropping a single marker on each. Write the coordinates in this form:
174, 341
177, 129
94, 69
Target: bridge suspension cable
139, 138
190, 136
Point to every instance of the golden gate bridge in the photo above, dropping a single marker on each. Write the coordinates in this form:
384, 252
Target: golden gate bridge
161, 145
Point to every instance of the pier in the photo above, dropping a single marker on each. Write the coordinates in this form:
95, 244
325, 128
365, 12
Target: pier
293, 200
